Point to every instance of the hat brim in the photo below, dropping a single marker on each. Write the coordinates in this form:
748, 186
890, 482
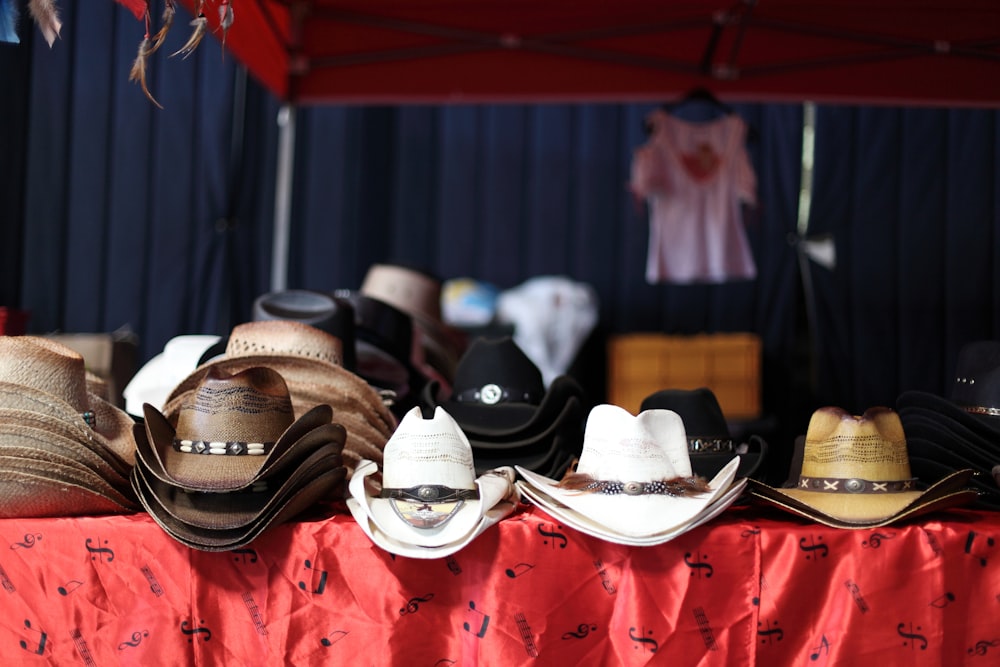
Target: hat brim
636, 516
238, 509
201, 472
986, 426
463, 519
385, 542
514, 420
19, 439
32, 495
112, 432
708, 464
73, 475
584, 525
323, 487
866, 510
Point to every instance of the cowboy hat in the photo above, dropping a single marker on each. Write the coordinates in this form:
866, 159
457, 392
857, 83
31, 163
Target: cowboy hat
309, 361
634, 475
44, 376
322, 310
498, 393
232, 431
153, 382
709, 442
429, 494
585, 525
856, 473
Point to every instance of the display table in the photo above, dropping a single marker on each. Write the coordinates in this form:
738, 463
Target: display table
751, 587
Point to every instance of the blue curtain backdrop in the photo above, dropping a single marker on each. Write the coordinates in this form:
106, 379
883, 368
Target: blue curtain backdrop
116, 213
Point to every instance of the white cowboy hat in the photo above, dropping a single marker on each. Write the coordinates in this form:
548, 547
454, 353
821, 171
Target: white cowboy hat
579, 522
634, 475
429, 495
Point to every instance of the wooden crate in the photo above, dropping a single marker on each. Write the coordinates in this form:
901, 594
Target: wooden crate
640, 364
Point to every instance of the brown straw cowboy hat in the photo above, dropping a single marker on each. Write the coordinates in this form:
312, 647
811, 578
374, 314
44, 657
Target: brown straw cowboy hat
309, 360
856, 474
233, 430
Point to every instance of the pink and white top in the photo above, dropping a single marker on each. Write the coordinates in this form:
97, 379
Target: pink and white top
695, 176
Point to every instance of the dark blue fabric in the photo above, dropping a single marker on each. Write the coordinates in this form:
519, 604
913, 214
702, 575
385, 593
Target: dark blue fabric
160, 220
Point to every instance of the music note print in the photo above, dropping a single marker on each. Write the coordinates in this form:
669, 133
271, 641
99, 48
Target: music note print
318, 590
642, 641
27, 542
554, 534
192, 632
413, 604
69, 587
813, 550
913, 636
482, 618
337, 636
98, 552
824, 646
970, 541
518, 570
698, 566
36, 646
135, 641
943, 601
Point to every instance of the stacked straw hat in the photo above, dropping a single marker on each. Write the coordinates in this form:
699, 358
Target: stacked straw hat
511, 418
418, 293
633, 484
709, 441
962, 430
64, 450
237, 461
426, 501
310, 362
855, 473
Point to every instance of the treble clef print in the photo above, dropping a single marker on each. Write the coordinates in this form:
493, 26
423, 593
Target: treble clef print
413, 604
136, 639
582, 631
983, 646
875, 541
27, 541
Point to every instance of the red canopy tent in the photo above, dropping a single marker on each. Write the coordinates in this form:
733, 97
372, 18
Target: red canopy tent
899, 52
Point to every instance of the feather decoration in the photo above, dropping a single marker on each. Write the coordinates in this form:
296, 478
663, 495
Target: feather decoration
677, 486
8, 22
46, 16
200, 25
138, 72
169, 11
225, 20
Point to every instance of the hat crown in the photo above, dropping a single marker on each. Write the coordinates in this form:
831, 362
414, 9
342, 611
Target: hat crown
501, 362
871, 446
698, 408
645, 448
414, 292
977, 375
284, 338
45, 365
250, 406
428, 451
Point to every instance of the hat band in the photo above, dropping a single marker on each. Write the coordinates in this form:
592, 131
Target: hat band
982, 410
854, 485
491, 394
219, 448
710, 445
676, 486
431, 493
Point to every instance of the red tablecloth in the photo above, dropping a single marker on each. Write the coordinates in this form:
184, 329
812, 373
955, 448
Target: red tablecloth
752, 587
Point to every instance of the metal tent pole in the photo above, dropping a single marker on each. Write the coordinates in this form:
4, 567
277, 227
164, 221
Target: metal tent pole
283, 197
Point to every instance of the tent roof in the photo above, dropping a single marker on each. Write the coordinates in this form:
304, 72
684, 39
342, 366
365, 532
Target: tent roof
937, 52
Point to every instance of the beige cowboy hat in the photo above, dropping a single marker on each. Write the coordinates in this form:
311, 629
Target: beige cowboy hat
232, 431
856, 473
429, 496
49, 379
310, 361
634, 475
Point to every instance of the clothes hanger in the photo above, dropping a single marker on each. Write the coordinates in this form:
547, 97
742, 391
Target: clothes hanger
702, 95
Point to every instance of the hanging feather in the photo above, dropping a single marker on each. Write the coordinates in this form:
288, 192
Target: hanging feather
8, 22
225, 21
200, 25
169, 11
677, 486
138, 72
46, 16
